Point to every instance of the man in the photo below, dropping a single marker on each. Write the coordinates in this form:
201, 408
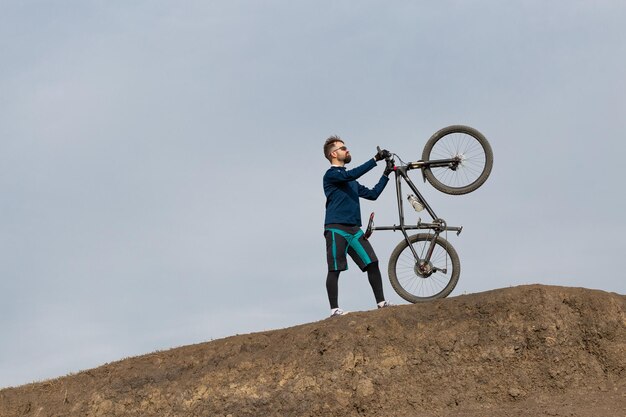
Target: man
342, 224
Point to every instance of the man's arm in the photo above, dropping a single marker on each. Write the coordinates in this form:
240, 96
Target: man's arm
341, 175
372, 194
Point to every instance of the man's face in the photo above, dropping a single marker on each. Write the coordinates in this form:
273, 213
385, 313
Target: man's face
342, 153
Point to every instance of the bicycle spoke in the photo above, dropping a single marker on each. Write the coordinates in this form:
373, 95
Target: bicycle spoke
419, 285
459, 145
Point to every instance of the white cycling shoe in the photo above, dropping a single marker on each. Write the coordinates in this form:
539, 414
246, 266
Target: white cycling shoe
337, 312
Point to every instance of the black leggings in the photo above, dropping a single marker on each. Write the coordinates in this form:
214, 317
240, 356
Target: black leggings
373, 275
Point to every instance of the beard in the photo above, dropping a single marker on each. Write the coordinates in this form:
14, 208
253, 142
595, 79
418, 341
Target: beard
347, 159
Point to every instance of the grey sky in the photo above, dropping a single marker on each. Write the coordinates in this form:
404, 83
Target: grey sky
161, 163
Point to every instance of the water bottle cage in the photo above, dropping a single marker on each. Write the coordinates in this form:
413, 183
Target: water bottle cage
415, 202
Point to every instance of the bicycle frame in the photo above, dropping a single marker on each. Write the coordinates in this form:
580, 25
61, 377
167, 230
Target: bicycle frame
438, 225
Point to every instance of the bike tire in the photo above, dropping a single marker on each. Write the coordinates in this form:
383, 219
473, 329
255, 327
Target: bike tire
462, 141
415, 288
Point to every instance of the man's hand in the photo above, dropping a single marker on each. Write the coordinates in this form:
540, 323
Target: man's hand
389, 168
382, 154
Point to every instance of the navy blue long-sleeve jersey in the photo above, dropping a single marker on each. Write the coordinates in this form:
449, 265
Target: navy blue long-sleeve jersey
343, 192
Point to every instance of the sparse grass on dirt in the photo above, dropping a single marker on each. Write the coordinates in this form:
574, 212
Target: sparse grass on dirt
523, 351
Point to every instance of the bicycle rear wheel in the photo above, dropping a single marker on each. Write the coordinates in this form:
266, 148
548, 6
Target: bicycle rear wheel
434, 280
472, 150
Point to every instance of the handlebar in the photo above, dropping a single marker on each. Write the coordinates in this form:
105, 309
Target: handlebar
421, 164
408, 166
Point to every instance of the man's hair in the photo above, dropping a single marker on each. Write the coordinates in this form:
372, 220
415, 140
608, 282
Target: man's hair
329, 144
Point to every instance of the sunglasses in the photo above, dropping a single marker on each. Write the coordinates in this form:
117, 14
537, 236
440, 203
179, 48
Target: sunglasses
342, 148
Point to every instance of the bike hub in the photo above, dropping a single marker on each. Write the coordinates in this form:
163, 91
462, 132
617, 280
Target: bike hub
458, 160
423, 269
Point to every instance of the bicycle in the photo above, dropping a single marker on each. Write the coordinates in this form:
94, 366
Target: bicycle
456, 160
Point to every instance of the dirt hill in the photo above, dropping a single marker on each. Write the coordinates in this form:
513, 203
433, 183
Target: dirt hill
523, 351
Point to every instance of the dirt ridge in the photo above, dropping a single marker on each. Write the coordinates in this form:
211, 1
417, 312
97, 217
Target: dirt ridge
528, 350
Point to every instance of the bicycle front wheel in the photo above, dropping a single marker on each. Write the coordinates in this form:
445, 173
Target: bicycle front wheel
419, 282
473, 153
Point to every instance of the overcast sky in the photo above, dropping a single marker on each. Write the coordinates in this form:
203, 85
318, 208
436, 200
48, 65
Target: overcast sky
161, 161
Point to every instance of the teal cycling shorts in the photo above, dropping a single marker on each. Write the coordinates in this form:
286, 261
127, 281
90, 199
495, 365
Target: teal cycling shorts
342, 240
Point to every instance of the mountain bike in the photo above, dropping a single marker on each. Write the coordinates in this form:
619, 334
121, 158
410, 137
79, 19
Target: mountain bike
456, 160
